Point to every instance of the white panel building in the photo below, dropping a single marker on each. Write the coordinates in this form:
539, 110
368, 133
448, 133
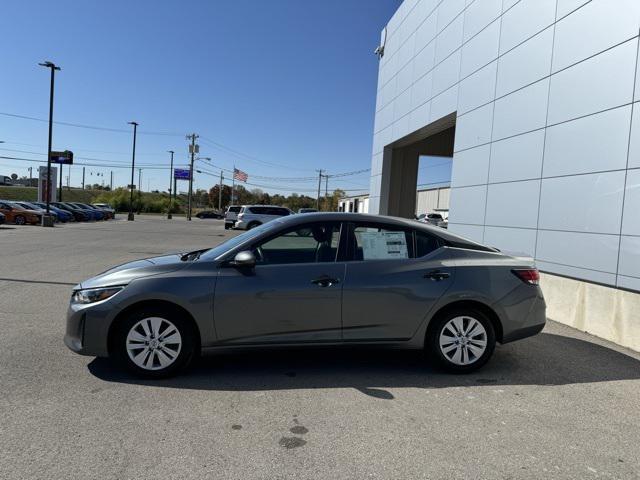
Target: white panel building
536, 101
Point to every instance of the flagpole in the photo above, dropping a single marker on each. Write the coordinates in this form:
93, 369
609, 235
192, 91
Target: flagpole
233, 185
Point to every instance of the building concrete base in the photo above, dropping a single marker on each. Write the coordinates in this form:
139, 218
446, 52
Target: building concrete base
606, 312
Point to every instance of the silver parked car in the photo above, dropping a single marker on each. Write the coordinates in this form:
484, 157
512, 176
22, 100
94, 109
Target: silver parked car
319, 278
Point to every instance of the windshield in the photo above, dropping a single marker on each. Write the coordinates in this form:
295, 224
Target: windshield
224, 247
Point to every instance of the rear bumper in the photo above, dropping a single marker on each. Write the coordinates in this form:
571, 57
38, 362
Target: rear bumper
525, 313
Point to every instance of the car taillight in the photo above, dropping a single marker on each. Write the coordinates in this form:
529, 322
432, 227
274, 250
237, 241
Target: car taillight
528, 275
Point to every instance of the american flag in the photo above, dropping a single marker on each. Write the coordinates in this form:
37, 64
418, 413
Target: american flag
240, 175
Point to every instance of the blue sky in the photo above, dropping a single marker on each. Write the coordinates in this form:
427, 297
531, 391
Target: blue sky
289, 86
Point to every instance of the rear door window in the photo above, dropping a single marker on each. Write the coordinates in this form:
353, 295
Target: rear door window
381, 242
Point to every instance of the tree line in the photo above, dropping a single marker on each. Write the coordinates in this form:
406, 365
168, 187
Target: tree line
159, 202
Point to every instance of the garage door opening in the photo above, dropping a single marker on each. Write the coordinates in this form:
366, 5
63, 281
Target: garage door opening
405, 166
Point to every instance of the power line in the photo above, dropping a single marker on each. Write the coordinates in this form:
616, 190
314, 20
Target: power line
245, 156
83, 149
89, 127
97, 165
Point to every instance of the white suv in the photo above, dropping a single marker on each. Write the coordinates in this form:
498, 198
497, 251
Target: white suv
230, 216
253, 215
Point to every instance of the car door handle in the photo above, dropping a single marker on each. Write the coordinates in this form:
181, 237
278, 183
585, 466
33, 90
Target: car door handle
437, 275
325, 281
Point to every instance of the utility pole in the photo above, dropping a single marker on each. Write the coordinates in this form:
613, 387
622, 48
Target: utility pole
220, 193
83, 178
192, 150
319, 183
30, 176
169, 215
133, 164
47, 220
111, 182
326, 192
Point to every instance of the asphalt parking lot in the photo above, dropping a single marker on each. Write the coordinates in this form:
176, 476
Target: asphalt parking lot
559, 405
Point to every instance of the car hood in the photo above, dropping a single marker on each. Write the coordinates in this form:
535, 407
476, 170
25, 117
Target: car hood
125, 273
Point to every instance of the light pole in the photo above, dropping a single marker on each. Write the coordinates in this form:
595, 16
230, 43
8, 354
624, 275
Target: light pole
47, 220
133, 165
169, 215
193, 149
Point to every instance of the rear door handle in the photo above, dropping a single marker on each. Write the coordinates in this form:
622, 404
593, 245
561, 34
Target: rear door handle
436, 275
325, 281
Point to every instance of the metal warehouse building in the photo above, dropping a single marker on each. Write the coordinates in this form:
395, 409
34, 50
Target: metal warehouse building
535, 100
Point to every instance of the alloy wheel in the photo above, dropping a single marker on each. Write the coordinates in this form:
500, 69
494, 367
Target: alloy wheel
153, 343
463, 340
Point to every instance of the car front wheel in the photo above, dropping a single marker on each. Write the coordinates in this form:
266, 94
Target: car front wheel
154, 344
20, 220
462, 340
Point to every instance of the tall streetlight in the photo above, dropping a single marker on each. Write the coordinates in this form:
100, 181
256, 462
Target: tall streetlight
133, 164
169, 215
47, 220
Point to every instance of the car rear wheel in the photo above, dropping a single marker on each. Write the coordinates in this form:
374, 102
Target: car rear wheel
20, 220
154, 344
461, 340
253, 225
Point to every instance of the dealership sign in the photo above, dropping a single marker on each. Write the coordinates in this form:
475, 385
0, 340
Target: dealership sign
63, 158
182, 174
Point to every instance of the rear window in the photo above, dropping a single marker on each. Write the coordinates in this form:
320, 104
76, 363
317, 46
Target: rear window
278, 211
233, 209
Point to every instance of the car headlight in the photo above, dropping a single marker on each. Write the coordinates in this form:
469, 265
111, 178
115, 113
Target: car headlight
92, 295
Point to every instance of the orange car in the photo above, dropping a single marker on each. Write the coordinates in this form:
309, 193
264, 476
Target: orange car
19, 215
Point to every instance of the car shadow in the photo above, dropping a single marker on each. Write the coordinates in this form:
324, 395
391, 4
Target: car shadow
546, 359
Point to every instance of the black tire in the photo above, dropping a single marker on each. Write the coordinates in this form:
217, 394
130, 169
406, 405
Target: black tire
19, 220
446, 361
253, 225
187, 350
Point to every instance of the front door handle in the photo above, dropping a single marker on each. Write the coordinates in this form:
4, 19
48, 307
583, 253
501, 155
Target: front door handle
325, 281
437, 275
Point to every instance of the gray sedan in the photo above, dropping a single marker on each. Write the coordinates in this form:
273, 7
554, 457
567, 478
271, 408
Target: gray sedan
315, 279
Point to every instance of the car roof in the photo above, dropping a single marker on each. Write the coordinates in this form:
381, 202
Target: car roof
449, 237
270, 206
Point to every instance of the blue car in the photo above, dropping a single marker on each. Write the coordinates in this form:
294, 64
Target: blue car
95, 214
63, 215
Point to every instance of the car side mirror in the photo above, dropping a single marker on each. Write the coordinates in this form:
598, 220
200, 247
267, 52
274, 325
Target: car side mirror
244, 259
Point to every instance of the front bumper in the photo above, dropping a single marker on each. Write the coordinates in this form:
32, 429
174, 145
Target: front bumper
88, 326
